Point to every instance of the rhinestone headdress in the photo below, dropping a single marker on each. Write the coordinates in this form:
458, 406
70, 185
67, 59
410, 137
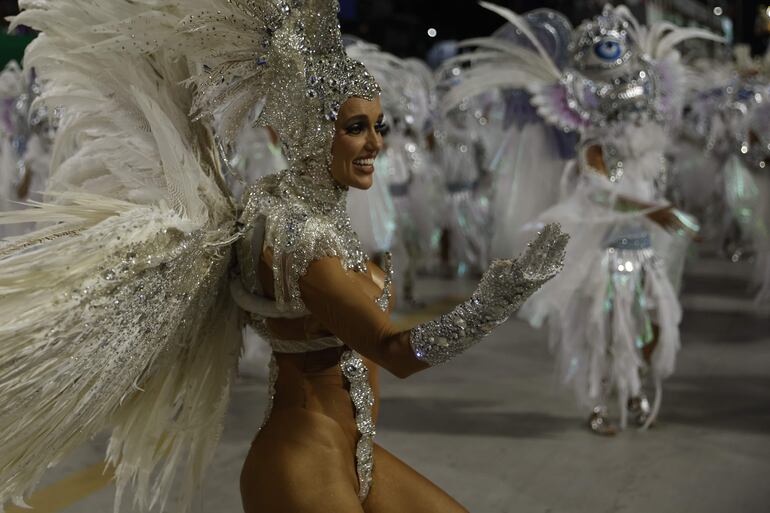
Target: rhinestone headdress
609, 78
602, 44
286, 58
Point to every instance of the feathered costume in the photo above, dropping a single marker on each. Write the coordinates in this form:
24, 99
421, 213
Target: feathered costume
118, 312
745, 122
26, 136
748, 119
126, 278
124, 311
619, 88
724, 154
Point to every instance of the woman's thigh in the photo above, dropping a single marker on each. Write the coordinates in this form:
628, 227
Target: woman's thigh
398, 488
301, 462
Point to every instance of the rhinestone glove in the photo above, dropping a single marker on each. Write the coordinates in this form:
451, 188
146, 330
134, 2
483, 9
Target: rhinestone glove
502, 290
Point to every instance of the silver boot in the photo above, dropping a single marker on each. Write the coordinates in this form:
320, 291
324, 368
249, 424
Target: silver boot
639, 409
599, 423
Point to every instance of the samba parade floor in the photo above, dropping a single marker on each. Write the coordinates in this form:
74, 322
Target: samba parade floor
497, 431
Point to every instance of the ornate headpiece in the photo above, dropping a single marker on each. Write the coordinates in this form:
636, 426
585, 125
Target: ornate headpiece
602, 44
609, 77
408, 84
617, 70
285, 57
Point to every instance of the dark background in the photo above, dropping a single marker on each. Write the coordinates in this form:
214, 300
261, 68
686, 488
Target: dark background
401, 26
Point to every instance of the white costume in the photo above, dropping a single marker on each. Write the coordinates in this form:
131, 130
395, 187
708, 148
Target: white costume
124, 310
724, 173
620, 88
26, 134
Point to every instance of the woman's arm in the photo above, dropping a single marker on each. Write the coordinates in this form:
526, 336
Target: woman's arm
335, 297
665, 216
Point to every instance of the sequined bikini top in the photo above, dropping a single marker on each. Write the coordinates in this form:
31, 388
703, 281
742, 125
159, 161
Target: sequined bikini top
300, 227
278, 214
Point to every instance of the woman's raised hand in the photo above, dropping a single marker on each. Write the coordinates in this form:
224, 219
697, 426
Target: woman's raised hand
503, 288
544, 258
515, 280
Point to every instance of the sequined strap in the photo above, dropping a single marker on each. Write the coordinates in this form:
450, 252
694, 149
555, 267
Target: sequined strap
355, 371
384, 300
291, 346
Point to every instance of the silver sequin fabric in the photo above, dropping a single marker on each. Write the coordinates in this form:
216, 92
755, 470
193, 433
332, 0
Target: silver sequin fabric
355, 371
502, 290
300, 226
357, 374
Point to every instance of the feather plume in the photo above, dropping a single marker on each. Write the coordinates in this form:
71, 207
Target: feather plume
499, 64
115, 313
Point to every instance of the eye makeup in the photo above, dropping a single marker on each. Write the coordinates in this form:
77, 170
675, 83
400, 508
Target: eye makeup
382, 125
357, 125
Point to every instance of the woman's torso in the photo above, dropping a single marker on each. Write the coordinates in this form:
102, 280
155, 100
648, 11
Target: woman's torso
314, 381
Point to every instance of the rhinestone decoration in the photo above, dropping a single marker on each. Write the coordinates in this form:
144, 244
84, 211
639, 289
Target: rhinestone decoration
301, 226
357, 374
606, 27
384, 300
631, 96
296, 84
503, 289
623, 86
355, 371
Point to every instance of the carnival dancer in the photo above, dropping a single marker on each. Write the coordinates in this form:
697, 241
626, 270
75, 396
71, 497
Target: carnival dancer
26, 134
124, 310
613, 314
724, 156
747, 115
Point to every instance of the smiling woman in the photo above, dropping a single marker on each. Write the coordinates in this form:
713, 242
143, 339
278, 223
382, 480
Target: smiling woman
192, 265
357, 142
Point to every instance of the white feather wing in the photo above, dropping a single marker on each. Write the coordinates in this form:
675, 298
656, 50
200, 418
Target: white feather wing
114, 314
